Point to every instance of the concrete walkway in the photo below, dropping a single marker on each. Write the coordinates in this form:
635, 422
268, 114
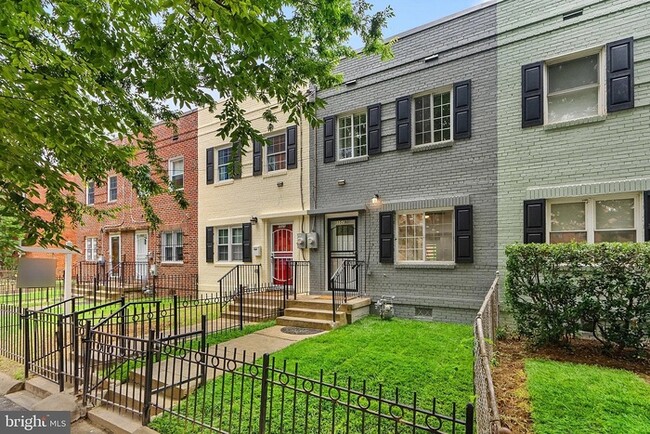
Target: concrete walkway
268, 340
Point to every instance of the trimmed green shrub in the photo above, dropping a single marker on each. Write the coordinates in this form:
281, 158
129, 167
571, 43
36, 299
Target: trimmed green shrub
555, 290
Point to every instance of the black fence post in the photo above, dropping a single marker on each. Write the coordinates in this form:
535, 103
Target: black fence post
123, 325
220, 298
75, 349
59, 347
20, 305
86, 373
175, 320
241, 307
26, 341
153, 285
148, 380
204, 349
95, 287
158, 318
264, 393
469, 419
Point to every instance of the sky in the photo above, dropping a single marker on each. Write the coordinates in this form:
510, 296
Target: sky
413, 13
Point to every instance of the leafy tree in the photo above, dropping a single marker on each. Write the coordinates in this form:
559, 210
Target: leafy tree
75, 74
10, 236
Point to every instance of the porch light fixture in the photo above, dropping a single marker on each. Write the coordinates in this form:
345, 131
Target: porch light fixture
253, 220
341, 182
375, 199
280, 184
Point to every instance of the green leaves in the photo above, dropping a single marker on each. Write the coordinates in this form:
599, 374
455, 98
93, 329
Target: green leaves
74, 74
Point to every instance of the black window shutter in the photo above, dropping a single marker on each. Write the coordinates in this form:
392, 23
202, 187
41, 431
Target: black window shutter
209, 244
374, 129
247, 248
236, 160
462, 110
535, 221
329, 139
403, 122
209, 166
386, 237
646, 215
464, 237
292, 147
620, 75
532, 94
257, 158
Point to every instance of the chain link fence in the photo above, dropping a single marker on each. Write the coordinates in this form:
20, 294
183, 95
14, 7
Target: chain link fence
485, 329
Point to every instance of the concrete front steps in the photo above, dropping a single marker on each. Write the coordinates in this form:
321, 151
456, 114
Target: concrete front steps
315, 312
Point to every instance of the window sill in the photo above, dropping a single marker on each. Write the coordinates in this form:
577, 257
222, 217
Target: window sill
275, 173
229, 263
430, 146
432, 265
575, 122
224, 182
351, 160
171, 262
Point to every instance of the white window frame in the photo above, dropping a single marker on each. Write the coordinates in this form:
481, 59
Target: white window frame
92, 257
226, 165
174, 246
424, 261
88, 202
602, 71
171, 174
108, 189
230, 244
268, 155
431, 93
590, 213
350, 115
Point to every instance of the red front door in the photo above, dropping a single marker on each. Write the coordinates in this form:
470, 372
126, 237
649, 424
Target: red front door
282, 253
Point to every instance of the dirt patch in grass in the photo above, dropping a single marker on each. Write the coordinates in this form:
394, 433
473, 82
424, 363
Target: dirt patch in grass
12, 368
510, 378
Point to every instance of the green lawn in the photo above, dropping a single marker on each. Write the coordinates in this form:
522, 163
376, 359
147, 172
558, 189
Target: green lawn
431, 359
571, 398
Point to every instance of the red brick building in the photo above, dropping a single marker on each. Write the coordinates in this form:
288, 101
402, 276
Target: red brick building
127, 238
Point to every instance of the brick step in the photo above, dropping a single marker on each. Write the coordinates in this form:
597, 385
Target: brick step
289, 321
326, 315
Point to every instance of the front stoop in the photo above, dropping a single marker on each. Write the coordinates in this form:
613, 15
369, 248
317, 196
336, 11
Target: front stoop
316, 312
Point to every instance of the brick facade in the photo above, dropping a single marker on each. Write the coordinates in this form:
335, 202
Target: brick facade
591, 158
129, 218
459, 172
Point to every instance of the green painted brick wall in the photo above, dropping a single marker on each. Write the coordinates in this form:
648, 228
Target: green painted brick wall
606, 155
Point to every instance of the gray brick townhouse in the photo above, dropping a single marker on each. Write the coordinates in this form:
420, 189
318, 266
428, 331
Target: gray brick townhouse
404, 170
573, 115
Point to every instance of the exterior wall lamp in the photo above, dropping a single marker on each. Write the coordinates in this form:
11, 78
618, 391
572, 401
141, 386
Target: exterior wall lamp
375, 199
253, 220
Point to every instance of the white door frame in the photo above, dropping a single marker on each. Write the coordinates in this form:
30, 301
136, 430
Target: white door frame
112, 267
141, 265
271, 245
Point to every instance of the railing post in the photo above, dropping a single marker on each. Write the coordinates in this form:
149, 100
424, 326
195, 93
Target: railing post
26, 341
148, 380
204, 349
59, 345
241, 307
333, 302
345, 281
469, 419
158, 318
95, 287
153, 286
123, 325
75, 350
175, 320
220, 298
86, 373
264, 393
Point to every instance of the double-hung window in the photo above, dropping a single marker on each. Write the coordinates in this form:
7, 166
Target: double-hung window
172, 246
276, 153
425, 236
432, 123
90, 193
229, 244
223, 164
112, 188
594, 220
91, 248
352, 137
574, 88
176, 173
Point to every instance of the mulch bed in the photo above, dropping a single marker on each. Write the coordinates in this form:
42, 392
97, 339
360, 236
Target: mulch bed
510, 379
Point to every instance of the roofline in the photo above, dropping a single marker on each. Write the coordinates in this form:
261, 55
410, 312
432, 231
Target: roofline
445, 19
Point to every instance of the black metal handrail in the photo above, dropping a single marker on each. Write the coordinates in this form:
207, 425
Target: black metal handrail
349, 278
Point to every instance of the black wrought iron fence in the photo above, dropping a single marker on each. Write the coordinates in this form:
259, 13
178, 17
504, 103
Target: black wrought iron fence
225, 391
299, 282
